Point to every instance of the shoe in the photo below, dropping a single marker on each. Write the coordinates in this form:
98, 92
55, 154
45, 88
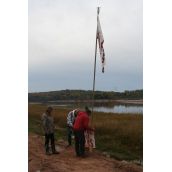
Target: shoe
84, 156
68, 146
48, 153
56, 152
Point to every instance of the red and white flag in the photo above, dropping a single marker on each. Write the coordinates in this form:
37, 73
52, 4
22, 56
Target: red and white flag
100, 42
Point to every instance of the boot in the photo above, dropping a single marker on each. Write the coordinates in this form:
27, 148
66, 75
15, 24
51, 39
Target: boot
54, 150
47, 152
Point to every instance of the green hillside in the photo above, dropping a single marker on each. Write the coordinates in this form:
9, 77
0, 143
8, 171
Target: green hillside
83, 95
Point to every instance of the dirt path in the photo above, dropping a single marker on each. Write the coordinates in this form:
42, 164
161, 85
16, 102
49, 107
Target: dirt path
66, 161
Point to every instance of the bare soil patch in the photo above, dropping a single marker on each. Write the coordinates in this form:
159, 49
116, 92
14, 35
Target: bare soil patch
66, 161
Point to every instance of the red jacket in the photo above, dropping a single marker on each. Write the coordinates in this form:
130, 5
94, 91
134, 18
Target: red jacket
81, 121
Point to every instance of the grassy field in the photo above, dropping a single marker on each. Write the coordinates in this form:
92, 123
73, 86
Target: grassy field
120, 135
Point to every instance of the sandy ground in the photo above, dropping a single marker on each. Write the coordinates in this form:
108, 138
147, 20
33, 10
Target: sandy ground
66, 161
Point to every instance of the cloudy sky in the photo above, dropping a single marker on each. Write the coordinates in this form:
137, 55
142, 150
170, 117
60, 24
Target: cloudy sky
62, 44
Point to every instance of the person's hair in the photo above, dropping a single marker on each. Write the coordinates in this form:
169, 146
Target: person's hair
49, 109
76, 112
88, 111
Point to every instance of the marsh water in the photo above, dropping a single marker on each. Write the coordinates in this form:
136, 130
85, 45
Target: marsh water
104, 107
120, 109
108, 107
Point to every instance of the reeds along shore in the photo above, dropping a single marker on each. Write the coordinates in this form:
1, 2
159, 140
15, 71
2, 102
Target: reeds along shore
119, 135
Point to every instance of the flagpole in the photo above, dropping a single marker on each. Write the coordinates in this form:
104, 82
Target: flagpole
94, 78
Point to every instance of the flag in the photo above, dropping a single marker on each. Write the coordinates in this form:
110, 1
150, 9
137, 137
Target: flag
100, 42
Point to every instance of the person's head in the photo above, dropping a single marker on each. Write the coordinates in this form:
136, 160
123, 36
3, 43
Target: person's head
49, 110
76, 112
87, 110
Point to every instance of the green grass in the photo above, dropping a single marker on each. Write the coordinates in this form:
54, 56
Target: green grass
120, 135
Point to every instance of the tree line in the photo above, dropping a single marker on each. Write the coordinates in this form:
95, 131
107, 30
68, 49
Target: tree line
83, 95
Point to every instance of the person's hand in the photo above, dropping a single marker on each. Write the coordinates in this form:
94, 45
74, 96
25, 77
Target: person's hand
93, 129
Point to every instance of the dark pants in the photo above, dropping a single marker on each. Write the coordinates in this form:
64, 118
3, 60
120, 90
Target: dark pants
69, 135
79, 143
49, 137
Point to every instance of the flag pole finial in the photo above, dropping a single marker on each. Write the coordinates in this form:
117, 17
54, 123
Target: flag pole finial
98, 10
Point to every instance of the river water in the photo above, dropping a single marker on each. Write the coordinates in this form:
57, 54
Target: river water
100, 107
120, 109
104, 107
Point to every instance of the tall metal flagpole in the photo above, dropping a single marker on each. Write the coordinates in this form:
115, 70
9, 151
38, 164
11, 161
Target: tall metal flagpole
94, 78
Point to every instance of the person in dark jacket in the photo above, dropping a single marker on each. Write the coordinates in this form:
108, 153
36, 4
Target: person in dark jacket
48, 126
80, 125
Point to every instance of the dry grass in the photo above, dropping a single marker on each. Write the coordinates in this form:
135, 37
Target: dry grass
121, 135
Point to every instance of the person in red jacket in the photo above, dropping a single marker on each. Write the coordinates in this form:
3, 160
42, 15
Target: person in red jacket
80, 125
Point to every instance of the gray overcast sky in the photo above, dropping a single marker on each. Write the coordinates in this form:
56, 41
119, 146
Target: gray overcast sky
62, 44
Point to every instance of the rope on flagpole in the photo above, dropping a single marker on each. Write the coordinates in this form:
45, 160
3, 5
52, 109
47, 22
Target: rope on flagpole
94, 78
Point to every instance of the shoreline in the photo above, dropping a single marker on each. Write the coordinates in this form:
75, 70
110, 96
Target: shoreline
118, 101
